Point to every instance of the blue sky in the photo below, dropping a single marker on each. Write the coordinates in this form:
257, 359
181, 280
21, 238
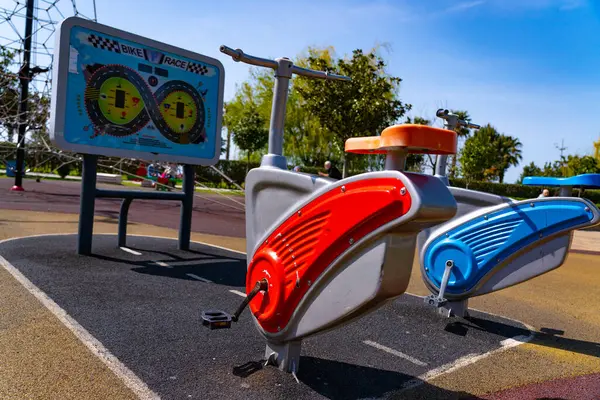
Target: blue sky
531, 68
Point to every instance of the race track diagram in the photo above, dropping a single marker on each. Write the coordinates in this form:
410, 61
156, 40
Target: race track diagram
120, 103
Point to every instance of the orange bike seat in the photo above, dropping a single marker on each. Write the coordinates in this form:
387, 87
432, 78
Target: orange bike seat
420, 139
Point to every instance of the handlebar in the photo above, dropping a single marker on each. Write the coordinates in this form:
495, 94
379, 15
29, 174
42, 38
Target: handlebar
445, 114
238, 55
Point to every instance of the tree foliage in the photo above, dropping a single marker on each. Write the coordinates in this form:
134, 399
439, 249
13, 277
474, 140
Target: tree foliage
38, 103
487, 154
249, 132
362, 107
577, 165
508, 154
462, 133
305, 141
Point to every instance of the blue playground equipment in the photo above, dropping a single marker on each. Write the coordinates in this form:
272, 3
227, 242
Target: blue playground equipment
495, 242
11, 168
584, 181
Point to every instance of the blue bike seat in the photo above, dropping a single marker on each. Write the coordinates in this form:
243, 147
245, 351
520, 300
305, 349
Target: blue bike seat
586, 181
482, 243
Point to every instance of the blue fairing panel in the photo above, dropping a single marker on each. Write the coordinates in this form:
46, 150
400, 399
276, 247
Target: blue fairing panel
588, 181
478, 245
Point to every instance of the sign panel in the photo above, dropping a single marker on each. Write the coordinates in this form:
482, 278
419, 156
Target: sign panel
119, 94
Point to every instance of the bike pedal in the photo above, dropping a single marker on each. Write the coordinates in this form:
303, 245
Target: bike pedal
215, 319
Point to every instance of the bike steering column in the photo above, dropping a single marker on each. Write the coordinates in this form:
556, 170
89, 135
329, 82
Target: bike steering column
284, 69
451, 122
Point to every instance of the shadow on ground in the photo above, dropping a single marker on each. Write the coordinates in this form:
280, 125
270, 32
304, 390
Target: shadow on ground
223, 270
339, 380
547, 337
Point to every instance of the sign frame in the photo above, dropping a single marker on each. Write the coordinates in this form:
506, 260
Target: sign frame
59, 98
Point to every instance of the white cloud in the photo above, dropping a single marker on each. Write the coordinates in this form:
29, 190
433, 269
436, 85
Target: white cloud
465, 5
539, 4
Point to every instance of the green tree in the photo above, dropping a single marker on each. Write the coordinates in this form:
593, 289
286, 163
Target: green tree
362, 107
9, 94
249, 132
479, 154
462, 133
305, 141
530, 170
487, 154
38, 104
577, 165
509, 154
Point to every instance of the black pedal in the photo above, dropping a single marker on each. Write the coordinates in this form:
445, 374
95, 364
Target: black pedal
215, 319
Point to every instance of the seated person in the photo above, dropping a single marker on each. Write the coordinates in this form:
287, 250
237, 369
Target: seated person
332, 171
545, 193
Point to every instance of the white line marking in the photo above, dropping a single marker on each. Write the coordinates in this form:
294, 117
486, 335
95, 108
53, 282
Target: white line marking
137, 253
395, 352
125, 374
465, 361
238, 292
199, 278
162, 264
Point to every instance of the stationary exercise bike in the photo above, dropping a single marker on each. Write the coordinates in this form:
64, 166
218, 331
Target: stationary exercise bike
323, 252
495, 242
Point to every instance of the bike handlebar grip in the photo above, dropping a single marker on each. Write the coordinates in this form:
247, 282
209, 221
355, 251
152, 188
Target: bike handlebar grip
441, 113
239, 55
319, 74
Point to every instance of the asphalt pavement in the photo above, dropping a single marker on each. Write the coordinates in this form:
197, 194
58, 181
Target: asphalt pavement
144, 306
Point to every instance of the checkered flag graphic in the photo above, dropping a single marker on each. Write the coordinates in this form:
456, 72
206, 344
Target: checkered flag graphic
197, 68
103, 43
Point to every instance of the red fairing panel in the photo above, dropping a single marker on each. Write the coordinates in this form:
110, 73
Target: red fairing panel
301, 248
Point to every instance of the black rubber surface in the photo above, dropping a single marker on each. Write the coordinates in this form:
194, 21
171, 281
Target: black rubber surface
148, 316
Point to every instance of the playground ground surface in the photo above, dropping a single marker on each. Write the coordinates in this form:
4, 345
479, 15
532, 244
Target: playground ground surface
43, 357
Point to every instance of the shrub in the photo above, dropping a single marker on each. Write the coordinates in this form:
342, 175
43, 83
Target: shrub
64, 170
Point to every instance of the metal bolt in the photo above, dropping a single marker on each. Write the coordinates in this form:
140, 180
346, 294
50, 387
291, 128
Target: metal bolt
447, 235
343, 189
403, 191
299, 213
351, 241
279, 235
532, 205
485, 217
426, 268
587, 209
293, 256
309, 283
278, 328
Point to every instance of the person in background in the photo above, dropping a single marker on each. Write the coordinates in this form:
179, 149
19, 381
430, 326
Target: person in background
545, 193
332, 171
297, 168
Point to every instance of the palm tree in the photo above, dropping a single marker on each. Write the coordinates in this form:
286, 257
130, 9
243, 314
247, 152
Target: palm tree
462, 133
509, 154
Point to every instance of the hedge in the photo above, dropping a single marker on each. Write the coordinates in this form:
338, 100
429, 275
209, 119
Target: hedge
520, 191
236, 171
